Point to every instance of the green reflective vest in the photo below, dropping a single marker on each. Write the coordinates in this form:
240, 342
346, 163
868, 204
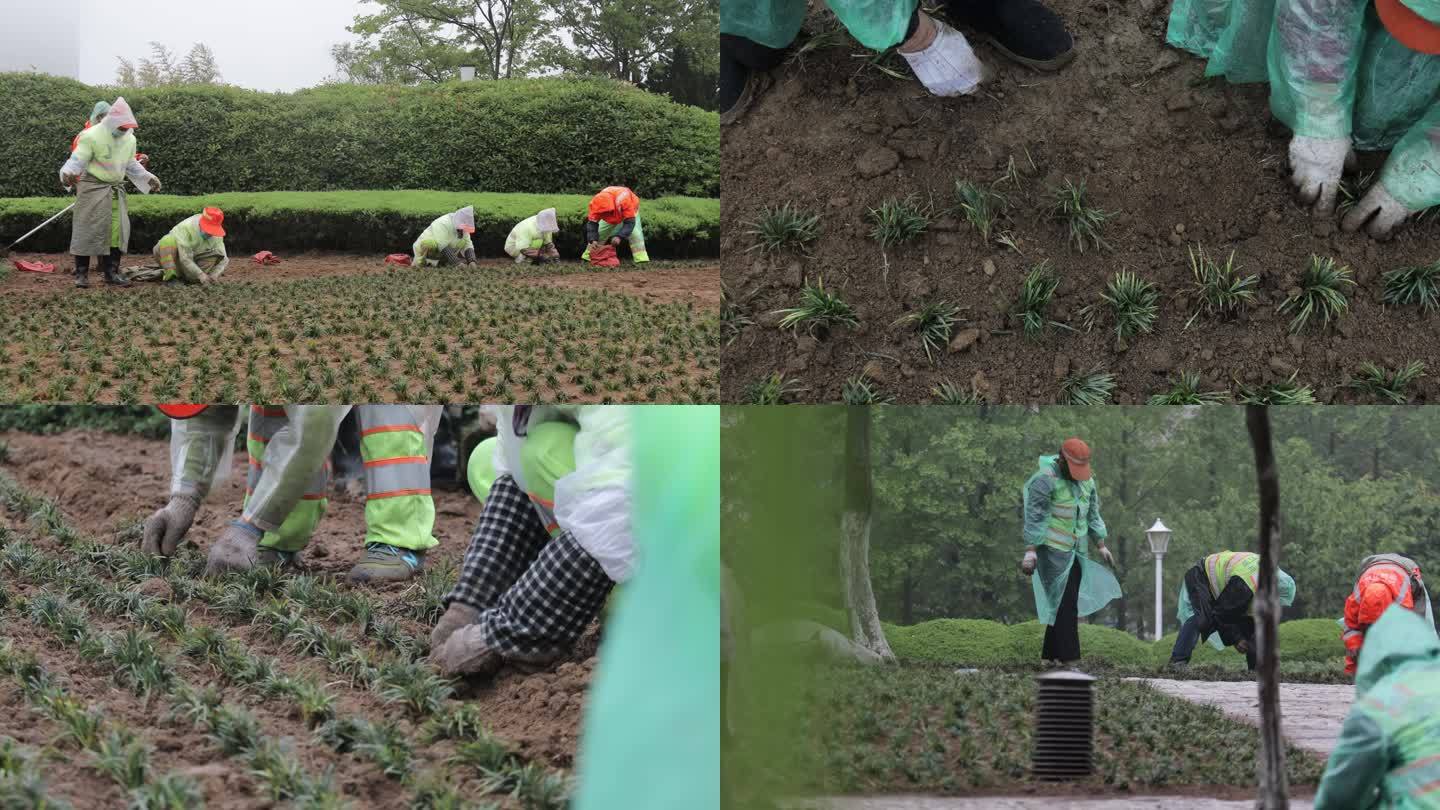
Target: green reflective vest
105, 156
1219, 568
1071, 503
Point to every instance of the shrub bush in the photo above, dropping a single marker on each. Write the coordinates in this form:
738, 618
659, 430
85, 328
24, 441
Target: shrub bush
369, 221
555, 135
979, 642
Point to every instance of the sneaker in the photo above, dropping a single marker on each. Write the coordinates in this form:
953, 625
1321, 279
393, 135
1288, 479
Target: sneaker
284, 560
1024, 31
386, 563
1178, 667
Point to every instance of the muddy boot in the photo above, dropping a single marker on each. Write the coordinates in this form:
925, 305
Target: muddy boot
386, 563
82, 269
111, 266
235, 550
284, 560
743, 77
1024, 31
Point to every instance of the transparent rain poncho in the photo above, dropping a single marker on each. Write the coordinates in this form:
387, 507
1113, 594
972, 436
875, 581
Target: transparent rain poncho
1334, 72
1053, 566
876, 24
1388, 753
651, 739
1284, 582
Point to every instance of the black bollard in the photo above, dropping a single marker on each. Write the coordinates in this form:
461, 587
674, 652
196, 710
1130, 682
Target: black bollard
1064, 742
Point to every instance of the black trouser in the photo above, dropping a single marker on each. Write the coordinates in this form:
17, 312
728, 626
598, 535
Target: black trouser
1062, 639
1227, 614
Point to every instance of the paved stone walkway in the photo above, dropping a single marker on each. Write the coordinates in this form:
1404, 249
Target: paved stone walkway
1310, 713
1035, 803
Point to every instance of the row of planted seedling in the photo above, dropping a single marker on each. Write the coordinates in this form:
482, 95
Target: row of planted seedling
550, 347
1096, 385
255, 597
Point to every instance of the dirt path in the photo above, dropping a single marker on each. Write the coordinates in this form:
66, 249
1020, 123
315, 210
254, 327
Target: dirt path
663, 282
1311, 713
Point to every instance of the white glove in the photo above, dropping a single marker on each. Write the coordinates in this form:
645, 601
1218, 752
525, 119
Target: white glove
1387, 212
1318, 164
1027, 565
949, 67
1105, 552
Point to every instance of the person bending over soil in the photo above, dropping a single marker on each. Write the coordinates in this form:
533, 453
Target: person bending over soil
193, 252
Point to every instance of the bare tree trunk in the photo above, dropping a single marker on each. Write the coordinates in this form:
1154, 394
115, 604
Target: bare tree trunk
855, 536
1274, 792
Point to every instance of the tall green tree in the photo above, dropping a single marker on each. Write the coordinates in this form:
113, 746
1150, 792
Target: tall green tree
411, 41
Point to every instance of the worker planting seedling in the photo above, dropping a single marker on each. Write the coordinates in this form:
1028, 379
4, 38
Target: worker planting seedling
1188, 148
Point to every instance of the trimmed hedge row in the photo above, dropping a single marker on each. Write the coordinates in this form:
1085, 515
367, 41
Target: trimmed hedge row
369, 221
979, 642
561, 135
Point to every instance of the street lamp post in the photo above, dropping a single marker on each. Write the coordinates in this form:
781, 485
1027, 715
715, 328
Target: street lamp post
1159, 538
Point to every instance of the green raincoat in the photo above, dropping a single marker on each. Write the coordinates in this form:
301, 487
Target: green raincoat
1388, 754
1343, 75
651, 739
1060, 518
876, 24
1249, 569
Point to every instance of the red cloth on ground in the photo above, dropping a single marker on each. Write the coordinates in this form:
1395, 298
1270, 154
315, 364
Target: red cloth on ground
34, 267
604, 256
402, 259
266, 257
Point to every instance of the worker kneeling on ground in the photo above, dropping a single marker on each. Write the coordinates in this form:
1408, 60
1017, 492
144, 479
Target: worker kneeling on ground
553, 539
103, 158
1217, 602
1062, 519
193, 252
1385, 580
446, 243
614, 217
533, 239
1388, 754
287, 491
1342, 77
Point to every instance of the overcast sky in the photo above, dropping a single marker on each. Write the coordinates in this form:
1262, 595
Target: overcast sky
260, 44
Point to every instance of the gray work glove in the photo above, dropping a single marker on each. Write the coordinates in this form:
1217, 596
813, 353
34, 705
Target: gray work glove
456, 616
235, 550
167, 527
465, 653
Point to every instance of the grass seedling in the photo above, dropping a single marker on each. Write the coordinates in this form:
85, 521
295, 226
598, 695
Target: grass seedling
981, 206
415, 687
279, 769
77, 723
1352, 189
1091, 387
733, 318
1036, 291
487, 754
339, 734
1383, 383
948, 393
541, 789
386, 746
1185, 390
234, 729
1288, 392
860, 390
1135, 303
1321, 296
818, 310
783, 228
897, 221
1414, 285
459, 721
1084, 222
123, 757
169, 792
1221, 290
933, 322
772, 390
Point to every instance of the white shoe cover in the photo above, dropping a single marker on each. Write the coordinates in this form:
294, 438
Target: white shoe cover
949, 67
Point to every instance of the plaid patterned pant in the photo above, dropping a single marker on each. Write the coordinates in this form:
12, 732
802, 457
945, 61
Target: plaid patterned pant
535, 594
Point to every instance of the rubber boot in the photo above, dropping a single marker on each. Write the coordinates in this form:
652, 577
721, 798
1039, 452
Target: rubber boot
1024, 31
82, 269
111, 265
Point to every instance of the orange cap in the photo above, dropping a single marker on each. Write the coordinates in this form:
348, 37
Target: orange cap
210, 221
1412, 30
1077, 456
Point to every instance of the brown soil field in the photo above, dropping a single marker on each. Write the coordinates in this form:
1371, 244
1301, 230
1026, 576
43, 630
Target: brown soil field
1180, 161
